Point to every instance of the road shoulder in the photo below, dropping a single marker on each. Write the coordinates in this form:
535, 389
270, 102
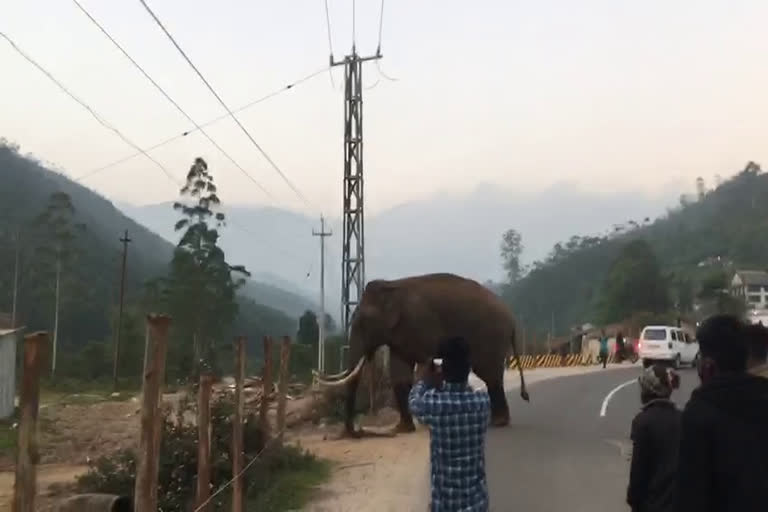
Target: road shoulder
392, 474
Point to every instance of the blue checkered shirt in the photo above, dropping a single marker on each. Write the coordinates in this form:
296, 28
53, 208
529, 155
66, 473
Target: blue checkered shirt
458, 419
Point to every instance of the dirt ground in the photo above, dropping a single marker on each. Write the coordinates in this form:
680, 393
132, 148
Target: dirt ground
80, 429
390, 471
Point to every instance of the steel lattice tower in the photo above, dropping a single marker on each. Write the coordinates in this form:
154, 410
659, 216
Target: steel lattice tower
353, 233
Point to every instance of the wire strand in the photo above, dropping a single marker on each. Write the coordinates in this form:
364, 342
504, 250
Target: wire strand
224, 486
277, 169
171, 100
207, 123
381, 27
330, 44
89, 109
328, 26
383, 74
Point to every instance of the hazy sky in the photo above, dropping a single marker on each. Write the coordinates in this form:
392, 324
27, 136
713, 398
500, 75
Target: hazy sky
610, 95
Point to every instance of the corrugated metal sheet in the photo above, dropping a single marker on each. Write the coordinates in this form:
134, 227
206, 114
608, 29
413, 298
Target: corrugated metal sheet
8, 342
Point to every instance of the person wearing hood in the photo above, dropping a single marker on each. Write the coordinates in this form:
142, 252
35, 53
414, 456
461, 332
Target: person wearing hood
655, 442
757, 340
723, 461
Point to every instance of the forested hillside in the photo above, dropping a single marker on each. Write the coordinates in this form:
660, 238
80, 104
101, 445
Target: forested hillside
56, 223
716, 232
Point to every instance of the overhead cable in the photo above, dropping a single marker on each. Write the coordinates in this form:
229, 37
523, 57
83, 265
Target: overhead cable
171, 100
90, 110
277, 169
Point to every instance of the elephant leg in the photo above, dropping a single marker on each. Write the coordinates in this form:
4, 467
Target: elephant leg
499, 406
401, 376
351, 398
401, 391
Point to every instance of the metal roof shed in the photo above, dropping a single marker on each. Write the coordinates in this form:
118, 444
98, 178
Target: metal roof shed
8, 342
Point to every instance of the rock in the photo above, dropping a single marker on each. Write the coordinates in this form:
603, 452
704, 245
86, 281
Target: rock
116, 394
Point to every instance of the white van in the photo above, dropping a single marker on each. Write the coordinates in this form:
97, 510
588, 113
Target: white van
665, 343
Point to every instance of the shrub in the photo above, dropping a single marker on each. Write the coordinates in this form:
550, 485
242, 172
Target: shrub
116, 473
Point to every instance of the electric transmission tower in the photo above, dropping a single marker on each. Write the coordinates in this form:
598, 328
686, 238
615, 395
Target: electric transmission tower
353, 232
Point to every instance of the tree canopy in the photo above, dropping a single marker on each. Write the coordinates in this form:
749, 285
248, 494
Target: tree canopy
723, 228
634, 283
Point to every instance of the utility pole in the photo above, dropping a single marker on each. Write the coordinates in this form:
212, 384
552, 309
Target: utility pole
321, 338
56, 313
125, 241
17, 240
353, 238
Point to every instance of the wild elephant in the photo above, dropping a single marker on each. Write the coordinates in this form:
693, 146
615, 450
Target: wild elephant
411, 316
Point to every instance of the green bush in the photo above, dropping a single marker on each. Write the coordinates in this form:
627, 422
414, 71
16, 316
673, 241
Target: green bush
116, 473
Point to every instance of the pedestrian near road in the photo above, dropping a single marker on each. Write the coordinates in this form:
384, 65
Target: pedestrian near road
655, 442
458, 419
620, 354
757, 346
603, 348
723, 462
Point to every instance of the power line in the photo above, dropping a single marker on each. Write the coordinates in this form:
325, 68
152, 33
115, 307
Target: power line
223, 104
381, 27
328, 26
171, 100
330, 43
378, 49
270, 95
383, 74
88, 108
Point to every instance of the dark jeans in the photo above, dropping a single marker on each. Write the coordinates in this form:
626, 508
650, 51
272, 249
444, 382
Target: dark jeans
603, 358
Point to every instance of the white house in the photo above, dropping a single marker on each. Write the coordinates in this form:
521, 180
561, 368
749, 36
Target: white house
752, 287
8, 341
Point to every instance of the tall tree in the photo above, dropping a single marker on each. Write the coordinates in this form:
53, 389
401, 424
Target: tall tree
202, 286
55, 253
309, 330
511, 250
634, 284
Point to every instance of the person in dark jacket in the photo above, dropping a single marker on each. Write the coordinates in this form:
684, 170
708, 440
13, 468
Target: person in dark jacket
655, 443
757, 350
723, 462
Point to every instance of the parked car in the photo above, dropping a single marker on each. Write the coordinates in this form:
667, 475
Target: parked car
668, 344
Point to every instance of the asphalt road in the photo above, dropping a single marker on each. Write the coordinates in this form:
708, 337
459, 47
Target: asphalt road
560, 453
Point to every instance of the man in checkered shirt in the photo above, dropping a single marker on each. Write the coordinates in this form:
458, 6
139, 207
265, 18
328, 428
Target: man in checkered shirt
458, 419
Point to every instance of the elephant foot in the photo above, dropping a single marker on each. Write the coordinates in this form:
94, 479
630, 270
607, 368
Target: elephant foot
351, 434
405, 427
500, 421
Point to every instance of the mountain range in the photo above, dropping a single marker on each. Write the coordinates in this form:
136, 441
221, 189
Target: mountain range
457, 233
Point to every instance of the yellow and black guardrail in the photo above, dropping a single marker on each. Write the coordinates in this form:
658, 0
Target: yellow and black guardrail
557, 360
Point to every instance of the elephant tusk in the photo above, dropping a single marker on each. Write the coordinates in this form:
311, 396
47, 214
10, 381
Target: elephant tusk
341, 382
335, 376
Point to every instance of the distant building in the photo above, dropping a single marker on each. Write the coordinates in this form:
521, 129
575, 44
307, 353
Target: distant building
8, 341
752, 287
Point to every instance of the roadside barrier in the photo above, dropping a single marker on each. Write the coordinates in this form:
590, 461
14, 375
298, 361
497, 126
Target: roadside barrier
557, 360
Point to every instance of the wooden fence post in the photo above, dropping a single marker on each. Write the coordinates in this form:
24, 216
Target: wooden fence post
25, 485
237, 426
266, 380
285, 356
147, 467
204, 442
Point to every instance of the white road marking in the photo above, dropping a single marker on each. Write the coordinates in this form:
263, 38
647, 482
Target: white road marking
613, 392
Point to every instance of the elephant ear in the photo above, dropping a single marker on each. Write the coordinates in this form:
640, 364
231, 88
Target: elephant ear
384, 302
